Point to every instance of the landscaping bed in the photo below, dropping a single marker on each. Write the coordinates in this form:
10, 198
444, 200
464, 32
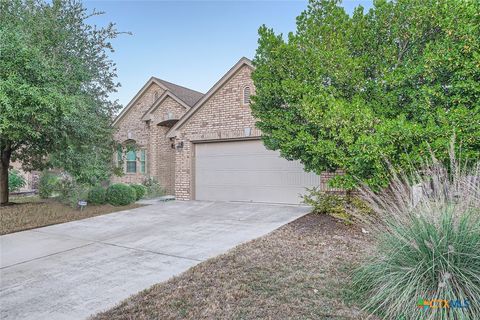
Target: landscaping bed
300, 271
32, 212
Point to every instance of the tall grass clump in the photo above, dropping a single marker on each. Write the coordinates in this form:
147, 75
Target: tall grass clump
426, 228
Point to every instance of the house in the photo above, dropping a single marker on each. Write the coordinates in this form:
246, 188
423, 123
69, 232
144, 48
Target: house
205, 146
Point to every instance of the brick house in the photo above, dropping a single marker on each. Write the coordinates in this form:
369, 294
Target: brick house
205, 146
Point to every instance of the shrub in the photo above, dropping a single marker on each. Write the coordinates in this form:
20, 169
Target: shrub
427, 244
154, 189
120, 194
97, 195
71, 191
47, 184
140, 190
335, 205
15, 181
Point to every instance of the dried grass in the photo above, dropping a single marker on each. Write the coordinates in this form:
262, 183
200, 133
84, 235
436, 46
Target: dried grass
300, 271
31, 212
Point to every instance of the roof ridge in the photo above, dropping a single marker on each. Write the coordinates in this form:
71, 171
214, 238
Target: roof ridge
168, 82
187, 95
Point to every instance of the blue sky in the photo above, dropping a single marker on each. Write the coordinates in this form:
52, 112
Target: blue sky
191, 43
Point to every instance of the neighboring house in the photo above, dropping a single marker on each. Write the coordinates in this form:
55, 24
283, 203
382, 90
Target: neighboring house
205, 146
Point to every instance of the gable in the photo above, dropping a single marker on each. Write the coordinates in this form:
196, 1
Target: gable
225, 95
166, 100
141, 101
169, 109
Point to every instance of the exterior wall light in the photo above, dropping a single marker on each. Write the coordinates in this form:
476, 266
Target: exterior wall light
179, 146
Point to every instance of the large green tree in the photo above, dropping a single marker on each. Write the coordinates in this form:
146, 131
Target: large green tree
352, 92
55, 78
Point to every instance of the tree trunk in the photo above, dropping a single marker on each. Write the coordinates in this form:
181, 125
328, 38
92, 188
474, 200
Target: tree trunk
4, 164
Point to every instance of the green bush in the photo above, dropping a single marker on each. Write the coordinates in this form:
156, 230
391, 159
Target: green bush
15, 181
97, 195
140, 190
47, 184
427, 246
154, 189
120, 194
336, 205
71, 191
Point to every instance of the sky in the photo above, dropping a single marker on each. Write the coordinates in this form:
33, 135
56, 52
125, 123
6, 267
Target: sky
190, 43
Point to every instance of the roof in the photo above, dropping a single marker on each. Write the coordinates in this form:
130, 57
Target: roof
189, 96
243, 61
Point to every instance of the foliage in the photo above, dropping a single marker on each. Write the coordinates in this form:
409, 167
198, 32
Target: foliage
15, 181
349, 92
427, 244
71, 191
335, 204
55, 79
97, 195
120, 194
47, 184
140, 190
154, 189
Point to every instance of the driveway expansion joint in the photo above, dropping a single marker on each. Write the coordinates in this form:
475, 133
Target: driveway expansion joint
47, 255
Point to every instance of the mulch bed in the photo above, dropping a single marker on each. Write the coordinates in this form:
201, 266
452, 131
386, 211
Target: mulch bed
299, 271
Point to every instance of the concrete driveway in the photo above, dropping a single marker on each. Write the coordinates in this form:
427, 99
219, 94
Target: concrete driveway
75, 269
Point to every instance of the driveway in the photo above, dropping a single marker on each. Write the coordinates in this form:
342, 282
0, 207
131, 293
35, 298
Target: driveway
75, 269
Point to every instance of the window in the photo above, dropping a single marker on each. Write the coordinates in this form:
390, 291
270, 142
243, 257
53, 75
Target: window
246, 95
119, 156
143, 161
131, 161
155, 96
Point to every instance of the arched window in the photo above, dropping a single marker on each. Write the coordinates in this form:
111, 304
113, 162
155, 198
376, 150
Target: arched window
246, 95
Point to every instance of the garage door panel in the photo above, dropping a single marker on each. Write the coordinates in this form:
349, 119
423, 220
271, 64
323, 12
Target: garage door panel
232, 162
246, 171
254, 194
248, 178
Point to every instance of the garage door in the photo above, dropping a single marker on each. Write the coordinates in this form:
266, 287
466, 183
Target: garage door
246, 171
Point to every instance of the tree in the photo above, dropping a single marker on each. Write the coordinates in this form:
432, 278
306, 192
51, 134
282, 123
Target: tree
55, 78
352, 92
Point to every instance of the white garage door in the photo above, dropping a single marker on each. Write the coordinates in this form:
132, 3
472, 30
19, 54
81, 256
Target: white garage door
246, 171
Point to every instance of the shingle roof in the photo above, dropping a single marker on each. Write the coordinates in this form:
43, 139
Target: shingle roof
189, 96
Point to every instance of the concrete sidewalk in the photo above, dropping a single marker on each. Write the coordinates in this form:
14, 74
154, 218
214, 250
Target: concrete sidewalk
72, 270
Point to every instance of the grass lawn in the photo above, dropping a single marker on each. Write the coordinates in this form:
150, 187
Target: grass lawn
32, 212
300, 271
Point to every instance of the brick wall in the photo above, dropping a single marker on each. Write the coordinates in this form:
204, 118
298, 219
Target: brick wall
164, 161
223, 116
151, 137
